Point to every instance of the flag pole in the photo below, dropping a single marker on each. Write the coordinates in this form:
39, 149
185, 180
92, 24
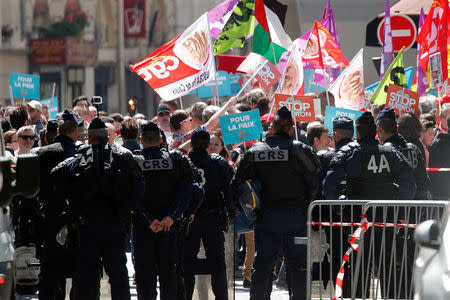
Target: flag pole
181, 102
328, 84
216, 95
311, 78
11, 95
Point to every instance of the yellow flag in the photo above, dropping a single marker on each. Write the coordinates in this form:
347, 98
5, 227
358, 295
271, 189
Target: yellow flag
394, 75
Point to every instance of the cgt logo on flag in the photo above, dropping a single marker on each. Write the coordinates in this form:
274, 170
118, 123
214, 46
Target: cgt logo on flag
267, 74
181, 65
301, 106
402, 100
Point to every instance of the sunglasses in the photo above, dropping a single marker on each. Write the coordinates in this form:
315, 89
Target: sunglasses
162, 114
24, 137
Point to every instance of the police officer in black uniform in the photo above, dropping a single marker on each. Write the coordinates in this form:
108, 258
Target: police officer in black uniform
343, 131
211, 219
370, 171
103, 185
56, 261
168, 190
387, 133
289, 174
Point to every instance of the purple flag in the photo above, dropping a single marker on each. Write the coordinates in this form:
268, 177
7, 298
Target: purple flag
421, 76
387, 55
330, 25
219, 15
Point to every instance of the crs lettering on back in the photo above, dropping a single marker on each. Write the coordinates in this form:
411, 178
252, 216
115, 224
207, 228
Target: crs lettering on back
271, 155
156, 164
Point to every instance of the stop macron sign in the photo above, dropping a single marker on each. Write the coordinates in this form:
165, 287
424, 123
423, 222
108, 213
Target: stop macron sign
404, 32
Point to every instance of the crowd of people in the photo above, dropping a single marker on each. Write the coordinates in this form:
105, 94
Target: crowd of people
168, 182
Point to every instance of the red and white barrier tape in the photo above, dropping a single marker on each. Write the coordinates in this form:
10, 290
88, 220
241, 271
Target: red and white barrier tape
354, 243
374, 224
438, 169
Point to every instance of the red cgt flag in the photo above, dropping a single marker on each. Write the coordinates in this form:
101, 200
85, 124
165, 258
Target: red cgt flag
181, 65
322, 50
433, 36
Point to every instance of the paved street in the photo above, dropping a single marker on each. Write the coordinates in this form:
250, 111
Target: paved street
240, 292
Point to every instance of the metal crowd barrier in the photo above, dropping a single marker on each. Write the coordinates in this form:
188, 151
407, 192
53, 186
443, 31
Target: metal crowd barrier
364, 249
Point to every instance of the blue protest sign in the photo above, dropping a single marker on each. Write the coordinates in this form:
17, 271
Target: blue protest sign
24, 85
332, 112
245, 126
234, 83
210, 89
409, 76
310, 85
52, 104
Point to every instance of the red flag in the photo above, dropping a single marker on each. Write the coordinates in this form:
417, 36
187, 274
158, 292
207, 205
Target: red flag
322, 50
260, 15
433, 36
181, 65
229, 63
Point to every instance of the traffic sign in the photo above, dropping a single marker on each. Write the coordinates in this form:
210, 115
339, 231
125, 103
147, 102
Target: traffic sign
404, 32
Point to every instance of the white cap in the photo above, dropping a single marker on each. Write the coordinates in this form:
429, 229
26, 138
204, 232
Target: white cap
36, 105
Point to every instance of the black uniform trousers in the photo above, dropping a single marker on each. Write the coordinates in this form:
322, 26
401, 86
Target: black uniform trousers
155, 254
101, 243
275, 228
56, 263
208, 229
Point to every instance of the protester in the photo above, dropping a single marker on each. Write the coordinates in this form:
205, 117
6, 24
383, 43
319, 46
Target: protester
26, 136
317, 135
11, 141
34, 112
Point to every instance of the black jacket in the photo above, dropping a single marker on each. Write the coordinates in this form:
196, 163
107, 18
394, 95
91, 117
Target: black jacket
440, 158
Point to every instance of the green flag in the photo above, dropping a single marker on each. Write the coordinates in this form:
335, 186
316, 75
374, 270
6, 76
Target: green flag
394, 75
262, 45
240, 24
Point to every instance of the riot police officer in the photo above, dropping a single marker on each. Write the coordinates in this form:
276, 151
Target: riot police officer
103, 184
387, 133
211, 219
289, 174
168, 189
55, 261
370, 171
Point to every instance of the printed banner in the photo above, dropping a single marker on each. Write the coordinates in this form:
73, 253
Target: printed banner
24, 85
134, 18
332, 112
402, 100
322, 50
267, 75
241, 127
302, 107
52, 105
293, 80
181, 65
436, 70
395, 74
348, 89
